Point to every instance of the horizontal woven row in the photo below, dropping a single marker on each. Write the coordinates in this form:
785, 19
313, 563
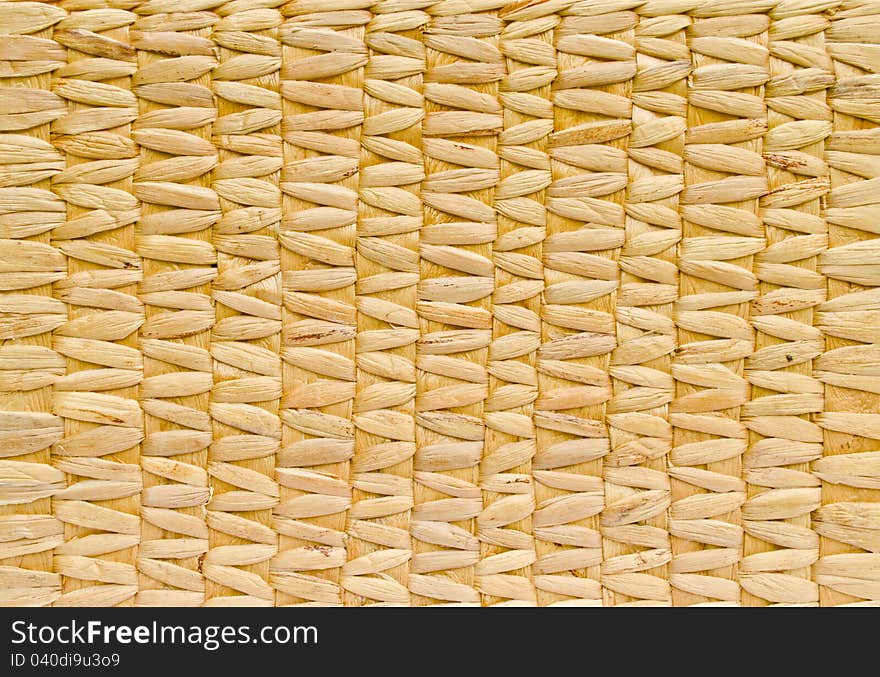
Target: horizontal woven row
416, 302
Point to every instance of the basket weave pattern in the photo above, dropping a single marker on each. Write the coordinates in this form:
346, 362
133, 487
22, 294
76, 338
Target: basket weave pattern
414, 302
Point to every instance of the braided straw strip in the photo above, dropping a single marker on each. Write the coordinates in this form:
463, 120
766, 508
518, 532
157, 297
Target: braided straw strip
29, 264
726, 118
431, 302
245, 339
637, 552
848, 520
389, 220
585, 229
508, 554
98, 398
176, 112
322, 75
779, 545
462, 120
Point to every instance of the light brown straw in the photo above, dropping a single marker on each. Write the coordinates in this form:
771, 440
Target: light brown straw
419, 302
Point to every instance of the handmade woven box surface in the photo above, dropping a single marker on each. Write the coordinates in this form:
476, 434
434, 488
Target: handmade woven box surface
415, 302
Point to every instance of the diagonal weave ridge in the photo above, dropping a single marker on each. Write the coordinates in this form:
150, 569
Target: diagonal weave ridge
419, 302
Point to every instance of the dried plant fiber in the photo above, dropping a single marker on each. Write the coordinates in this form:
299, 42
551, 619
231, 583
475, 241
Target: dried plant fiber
416, 302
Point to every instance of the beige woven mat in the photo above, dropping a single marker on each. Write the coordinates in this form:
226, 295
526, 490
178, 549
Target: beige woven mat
411, 302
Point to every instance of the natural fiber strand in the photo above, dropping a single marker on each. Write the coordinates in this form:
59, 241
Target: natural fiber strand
430, 302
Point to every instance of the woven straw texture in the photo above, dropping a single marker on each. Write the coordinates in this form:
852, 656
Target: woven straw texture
417, 302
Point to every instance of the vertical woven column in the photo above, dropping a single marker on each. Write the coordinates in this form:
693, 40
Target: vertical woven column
245, 340
462, 119
505, 572
779, 544
99, 396
387, 262
29, 263
322, 75
637, 551
724, 176
585, 229
849, 519
176, 110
